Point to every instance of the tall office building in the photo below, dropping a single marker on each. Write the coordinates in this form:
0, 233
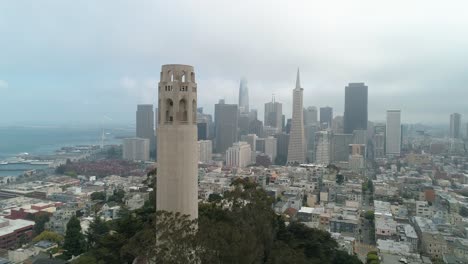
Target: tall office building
243, 97
177, 182
393, 133
340, 146
268, 146
239, 155
282, 142
355, 115
226, 123
136, 149
337, 125
310, 131
273, 115
310, 116
466, 131
145, 124
297, 147
205, 151
455, 125
326, 116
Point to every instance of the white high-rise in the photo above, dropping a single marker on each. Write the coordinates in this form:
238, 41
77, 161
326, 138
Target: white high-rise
297, 147
271, 148
239, 155
177, 181
455, 125
323, 147
252, 140
393, 133
136, 149
243, 97
205, 151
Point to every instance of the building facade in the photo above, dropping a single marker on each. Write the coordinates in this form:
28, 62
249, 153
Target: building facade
226, 123
239, 155
455, 125
243, 97
355, 115
205, 151
177, 183
137, 149
274, 115
145, 124
326, 117
297, 147
393, 133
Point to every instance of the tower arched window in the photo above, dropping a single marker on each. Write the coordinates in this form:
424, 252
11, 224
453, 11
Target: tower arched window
182, 78
183, 110
169, 111
192, 77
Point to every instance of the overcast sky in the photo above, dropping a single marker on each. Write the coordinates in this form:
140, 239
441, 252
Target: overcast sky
91, 62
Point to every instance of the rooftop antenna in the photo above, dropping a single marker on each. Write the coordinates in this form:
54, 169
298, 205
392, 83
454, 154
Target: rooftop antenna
273, 98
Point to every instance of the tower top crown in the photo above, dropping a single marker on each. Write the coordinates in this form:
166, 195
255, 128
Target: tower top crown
298, 80
177, 72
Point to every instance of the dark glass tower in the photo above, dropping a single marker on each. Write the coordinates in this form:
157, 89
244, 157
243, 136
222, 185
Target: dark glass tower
355, 115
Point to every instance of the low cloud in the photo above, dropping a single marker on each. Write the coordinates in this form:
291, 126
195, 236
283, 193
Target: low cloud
3, 85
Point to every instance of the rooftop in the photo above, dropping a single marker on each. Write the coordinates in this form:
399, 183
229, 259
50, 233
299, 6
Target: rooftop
13, 225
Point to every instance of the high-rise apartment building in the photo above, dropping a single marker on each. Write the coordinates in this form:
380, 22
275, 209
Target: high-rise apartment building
393, 133
455, 125
297, 147
243, 97
136, 149
177, 181
251, 139
226, 123
355, 115
326, 116
239, 155
323, 147
145, 124
273, 115
205, 151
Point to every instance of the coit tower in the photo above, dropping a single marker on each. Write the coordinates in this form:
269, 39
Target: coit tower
177, 178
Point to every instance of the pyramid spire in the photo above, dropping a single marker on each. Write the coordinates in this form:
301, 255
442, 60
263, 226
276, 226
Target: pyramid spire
298, 80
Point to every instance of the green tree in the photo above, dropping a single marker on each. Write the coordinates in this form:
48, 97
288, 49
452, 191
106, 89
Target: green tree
372, 258
369, 215
339, 179
98, 196
49, 236
464, 211
40, 220
97, 229
118, 196
74, 243
85, 259
214, 197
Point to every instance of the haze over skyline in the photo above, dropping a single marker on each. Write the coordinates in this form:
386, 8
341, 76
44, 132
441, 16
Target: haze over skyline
89, 62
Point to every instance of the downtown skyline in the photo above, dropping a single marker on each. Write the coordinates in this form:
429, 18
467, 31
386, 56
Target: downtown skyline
87, 70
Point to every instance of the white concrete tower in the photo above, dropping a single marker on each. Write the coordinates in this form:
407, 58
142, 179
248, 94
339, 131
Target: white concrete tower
177, 187
297, 148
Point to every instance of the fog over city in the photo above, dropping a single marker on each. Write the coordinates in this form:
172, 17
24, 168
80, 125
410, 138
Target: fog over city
82, 62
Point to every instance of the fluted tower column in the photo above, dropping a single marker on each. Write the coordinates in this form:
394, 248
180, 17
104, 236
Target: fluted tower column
177, 179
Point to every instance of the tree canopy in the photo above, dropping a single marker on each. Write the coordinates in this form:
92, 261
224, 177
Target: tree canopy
239, 228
